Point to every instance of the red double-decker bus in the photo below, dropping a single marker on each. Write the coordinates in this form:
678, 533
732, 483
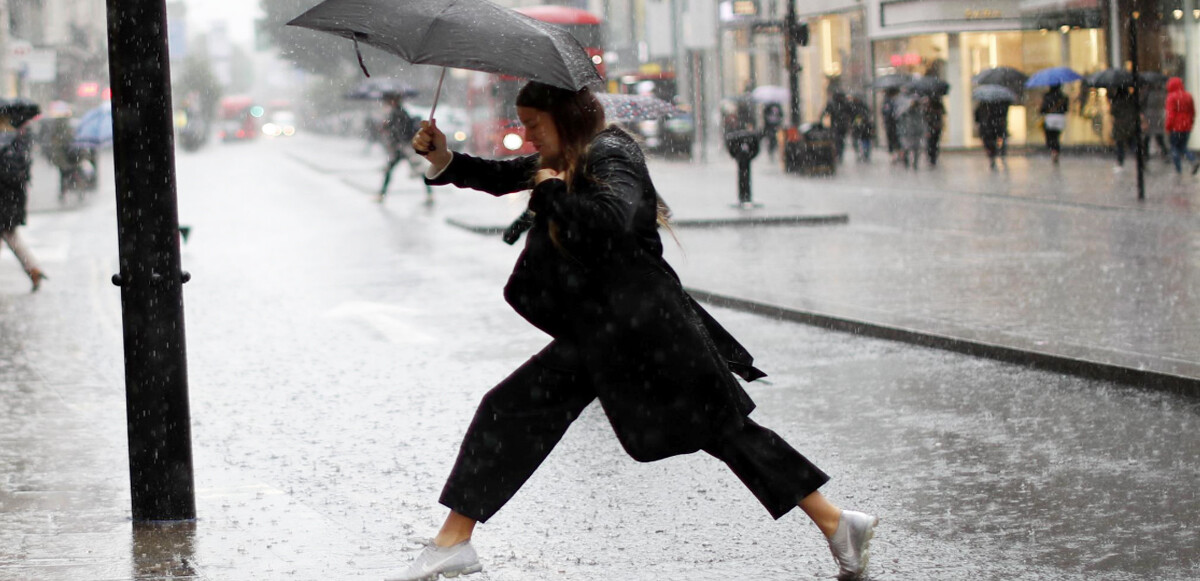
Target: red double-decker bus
495, 129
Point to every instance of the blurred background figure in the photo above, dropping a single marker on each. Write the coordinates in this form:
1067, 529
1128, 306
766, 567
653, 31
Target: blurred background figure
837, 109
1154, 115
911, 126
398, 130
935, 121
862, 127
890, 130
991, 118
1180, 116
1054, 119
772, 115
1124, 110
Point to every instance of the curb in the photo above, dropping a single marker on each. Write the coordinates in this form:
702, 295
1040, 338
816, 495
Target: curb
1076, 366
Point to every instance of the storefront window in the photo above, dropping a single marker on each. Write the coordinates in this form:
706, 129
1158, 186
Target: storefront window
836, 57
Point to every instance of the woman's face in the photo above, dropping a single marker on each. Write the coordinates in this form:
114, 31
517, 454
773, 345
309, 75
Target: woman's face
541, 131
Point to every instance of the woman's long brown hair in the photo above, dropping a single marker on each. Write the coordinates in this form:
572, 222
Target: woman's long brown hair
578, 116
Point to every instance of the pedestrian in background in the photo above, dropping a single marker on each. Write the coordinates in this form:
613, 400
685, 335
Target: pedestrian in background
1180, 113
772, 115
888, 112
935, 121
1154, 111
991, 120
398, 130
862, 128
910, 124
1124, 110
592, 276
1054, 119
837, 109
16, 160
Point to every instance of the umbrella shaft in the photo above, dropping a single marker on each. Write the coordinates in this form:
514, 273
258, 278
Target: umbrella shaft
437, 93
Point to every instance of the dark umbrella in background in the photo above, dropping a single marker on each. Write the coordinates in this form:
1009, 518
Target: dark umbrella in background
930, 86
1111, 79
19, 111
619, 108
994, 94
466, 34
1153, 78
1002, 76
375, 89
892, 81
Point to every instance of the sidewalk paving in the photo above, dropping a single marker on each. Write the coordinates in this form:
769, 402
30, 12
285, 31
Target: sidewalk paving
1059, 267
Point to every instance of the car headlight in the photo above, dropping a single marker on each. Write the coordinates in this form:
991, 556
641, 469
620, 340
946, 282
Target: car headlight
271, 129
289, 131
513, 142
460, 136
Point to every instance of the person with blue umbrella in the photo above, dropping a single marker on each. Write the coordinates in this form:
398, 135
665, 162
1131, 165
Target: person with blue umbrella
1054, 119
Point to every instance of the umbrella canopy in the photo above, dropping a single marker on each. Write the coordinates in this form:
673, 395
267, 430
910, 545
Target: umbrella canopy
1053, 76
994, 94
1003, 76
626, 108
1111, 78
374, 89
19, 111
467, 34
771, 94
892, 81
95, 127
1153, 78
932, 86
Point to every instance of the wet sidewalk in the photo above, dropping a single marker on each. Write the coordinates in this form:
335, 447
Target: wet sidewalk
1056, 266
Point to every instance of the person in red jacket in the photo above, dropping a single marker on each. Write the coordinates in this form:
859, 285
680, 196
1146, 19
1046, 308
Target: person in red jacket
1181, 114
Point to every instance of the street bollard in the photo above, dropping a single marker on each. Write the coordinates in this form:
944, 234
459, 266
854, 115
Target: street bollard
743, 146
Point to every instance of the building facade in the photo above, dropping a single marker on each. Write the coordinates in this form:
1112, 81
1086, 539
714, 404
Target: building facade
853, 42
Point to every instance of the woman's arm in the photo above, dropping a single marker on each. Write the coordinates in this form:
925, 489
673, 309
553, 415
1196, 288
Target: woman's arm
496, 177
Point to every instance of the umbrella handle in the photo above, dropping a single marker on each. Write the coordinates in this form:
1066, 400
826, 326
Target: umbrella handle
436, 95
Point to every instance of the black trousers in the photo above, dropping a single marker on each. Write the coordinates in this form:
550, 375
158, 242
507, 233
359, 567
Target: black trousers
520, 420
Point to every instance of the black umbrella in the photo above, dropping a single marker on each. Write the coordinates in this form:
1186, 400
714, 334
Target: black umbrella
1111, 78
466, 34
1153, 78
380, 88
994, 94
932, 86
626, 108
1003, 76
19, 111
892, 81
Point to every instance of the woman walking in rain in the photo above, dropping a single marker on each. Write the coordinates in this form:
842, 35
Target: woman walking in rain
1054, 119
593, 277
15, 163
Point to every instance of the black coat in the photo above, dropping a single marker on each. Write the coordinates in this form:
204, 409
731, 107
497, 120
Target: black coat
15, 162
660, 364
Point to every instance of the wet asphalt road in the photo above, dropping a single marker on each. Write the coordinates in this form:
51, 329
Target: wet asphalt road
337, 350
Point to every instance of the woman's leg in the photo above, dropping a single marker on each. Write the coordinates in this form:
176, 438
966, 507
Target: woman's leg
516, 426
778, 476
781, 478
24, 256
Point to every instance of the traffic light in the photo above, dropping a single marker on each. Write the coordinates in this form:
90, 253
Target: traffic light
799, 33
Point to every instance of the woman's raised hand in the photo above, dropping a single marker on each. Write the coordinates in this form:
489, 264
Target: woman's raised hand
430, 143
546, 173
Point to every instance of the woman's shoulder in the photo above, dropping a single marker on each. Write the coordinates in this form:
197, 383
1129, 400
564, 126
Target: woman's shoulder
614, 141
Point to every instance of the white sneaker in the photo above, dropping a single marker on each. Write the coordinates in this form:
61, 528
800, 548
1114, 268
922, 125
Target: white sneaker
851, 542
435, 561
